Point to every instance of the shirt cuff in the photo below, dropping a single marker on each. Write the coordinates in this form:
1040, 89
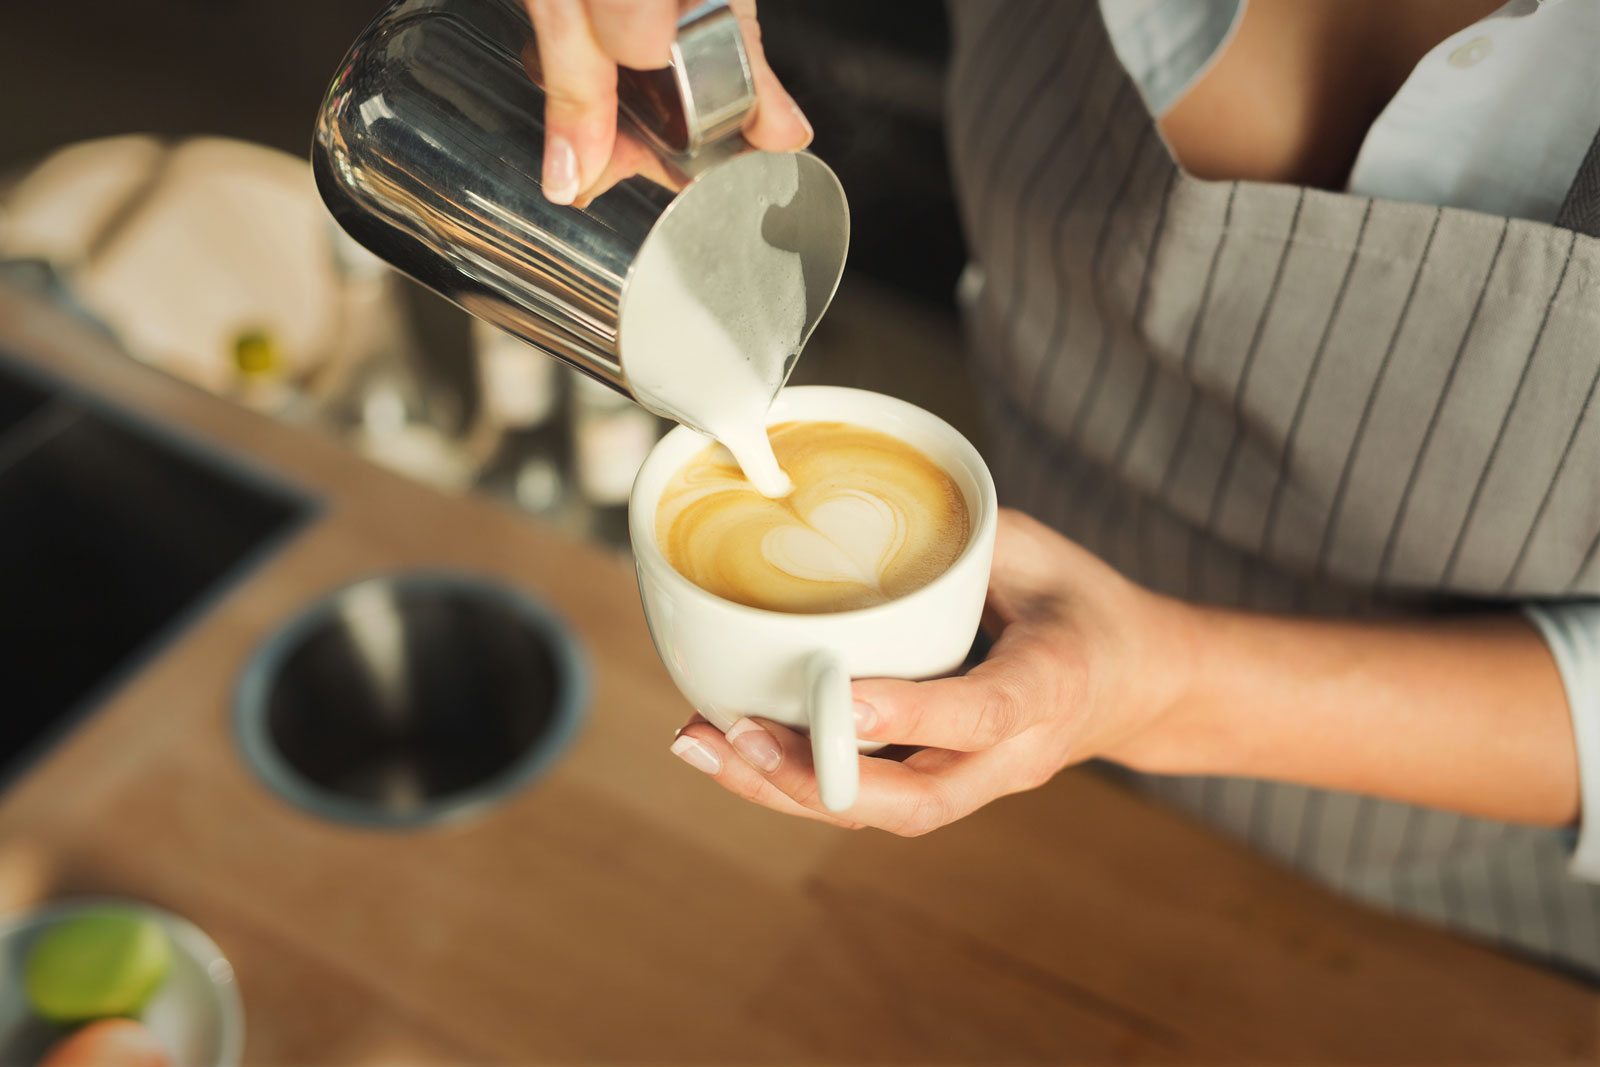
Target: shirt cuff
1572, 630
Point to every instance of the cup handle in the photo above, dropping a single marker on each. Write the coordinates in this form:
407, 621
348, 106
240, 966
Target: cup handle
831, 714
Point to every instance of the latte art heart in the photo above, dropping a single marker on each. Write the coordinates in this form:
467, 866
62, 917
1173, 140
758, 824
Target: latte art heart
850, 537
869, 519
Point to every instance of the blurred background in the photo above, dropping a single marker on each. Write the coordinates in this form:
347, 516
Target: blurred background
868, 75
307, 327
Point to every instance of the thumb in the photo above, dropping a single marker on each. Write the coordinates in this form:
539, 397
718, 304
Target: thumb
993, 702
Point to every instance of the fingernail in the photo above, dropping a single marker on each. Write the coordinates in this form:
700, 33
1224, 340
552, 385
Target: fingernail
560, 170
866, 717
696, 753
800, 116
758, 747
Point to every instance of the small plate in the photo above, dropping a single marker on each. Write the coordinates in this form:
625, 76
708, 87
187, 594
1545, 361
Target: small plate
196, 1014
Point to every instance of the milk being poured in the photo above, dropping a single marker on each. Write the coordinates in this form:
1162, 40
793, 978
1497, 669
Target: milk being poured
714, 318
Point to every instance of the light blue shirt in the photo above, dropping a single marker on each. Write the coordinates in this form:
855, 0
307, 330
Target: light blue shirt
1497, 117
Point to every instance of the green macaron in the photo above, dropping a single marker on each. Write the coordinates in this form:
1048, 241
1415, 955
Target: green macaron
96, 964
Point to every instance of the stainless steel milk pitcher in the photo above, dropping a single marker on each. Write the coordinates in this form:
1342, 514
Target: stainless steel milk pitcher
428, 151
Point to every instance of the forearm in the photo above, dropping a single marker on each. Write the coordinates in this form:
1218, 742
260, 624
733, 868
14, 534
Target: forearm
1467, 714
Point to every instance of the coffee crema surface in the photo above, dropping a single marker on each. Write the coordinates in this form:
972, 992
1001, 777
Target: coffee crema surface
869, 519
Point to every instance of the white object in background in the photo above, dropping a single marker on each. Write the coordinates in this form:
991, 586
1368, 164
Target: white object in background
517, 382
59, 209
611, 438
419, 452
731, 660
351, 258
538, 486
182, 249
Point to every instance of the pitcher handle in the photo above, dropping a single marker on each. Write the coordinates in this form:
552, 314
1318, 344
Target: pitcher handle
706, 92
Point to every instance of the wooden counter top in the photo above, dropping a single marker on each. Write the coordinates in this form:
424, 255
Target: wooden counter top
625, 910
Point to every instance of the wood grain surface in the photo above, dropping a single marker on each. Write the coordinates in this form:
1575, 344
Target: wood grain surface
625, 910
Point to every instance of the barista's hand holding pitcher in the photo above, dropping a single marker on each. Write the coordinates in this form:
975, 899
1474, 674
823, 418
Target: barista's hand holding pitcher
581, 43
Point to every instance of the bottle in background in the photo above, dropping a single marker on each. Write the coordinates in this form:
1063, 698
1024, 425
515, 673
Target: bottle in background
522, 393
611, 435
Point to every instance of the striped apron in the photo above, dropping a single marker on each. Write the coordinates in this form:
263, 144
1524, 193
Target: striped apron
1284, 399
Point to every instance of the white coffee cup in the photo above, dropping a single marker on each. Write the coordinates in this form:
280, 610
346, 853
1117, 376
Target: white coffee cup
732, 661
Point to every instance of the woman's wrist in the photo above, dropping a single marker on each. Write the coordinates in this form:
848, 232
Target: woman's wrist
1219, 721
1179, 646
1221, 680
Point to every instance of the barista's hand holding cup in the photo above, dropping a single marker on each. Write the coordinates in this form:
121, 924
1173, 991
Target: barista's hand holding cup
874, 565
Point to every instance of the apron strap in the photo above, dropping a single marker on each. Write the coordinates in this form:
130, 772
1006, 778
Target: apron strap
1581, 209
